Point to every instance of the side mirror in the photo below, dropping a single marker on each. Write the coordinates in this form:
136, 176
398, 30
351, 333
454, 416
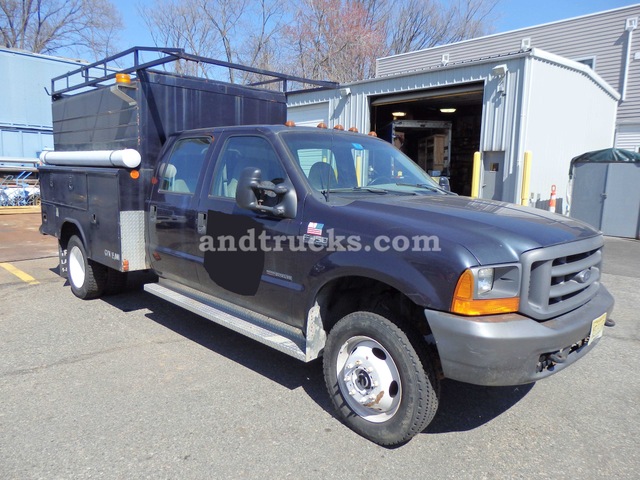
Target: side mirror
265, 197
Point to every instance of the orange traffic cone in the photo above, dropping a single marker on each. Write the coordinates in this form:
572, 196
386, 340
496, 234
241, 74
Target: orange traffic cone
552, 200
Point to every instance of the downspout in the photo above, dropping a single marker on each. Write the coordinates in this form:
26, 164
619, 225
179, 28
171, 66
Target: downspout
631, 25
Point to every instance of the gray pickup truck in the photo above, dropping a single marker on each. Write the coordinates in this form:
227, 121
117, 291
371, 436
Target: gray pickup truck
318, 243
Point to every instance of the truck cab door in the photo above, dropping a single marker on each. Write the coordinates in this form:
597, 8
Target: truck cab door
242, 259
172, 217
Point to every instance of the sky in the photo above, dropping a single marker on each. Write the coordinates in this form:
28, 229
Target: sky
511, 15
514, 14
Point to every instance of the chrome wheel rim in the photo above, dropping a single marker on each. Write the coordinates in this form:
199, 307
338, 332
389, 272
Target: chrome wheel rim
369, 379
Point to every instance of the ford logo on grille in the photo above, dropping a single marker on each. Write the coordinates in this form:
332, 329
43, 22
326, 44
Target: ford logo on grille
583, 276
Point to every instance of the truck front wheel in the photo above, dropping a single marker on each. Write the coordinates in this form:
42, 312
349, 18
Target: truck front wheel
381, 386
86, 277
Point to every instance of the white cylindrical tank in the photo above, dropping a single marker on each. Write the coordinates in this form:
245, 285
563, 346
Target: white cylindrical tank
128, 158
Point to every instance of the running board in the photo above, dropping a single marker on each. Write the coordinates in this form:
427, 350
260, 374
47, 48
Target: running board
263, 329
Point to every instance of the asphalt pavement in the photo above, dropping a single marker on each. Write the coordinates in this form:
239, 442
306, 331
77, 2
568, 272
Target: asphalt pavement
130, 386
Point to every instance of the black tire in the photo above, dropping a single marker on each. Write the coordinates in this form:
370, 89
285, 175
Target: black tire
392, 394
116, 282
34, 199
87, 278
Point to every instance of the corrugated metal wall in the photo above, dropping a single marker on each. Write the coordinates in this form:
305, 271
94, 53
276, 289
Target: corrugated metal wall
503, 121
23, 143
628, 137
553, 107
354, 109
25, 116
601, 37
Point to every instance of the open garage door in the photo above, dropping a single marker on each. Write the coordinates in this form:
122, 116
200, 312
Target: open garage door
439, 128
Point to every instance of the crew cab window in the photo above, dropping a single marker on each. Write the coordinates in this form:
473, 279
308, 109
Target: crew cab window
240, 152
180, 173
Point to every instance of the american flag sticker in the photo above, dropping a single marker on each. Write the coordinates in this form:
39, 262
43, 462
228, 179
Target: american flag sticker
315, 228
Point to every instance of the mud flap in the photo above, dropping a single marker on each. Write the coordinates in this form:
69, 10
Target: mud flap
63, 269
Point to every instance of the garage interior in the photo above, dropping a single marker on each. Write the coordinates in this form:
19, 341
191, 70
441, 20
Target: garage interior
440, 129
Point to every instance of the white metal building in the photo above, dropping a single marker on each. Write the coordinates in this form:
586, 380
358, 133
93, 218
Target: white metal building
557, 90
504, 105
604, 41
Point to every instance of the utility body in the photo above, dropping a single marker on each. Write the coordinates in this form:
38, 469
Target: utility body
315, 242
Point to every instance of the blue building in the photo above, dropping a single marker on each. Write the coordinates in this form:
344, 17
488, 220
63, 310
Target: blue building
25, 116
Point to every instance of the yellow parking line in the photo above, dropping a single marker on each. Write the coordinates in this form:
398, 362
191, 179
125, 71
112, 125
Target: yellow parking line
25, 277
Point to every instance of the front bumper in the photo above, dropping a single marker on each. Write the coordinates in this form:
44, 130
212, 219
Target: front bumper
507, 349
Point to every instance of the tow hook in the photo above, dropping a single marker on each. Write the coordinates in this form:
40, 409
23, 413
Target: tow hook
559, 357
549, 360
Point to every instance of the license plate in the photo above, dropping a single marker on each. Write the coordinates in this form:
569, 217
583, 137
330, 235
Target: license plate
597, 328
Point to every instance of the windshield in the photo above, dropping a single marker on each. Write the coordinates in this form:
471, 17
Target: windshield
353, 162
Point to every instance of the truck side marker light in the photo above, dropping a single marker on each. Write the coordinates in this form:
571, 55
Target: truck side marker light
464, 303
338, 127
372, 134
154, 180
322, 125
157, 256
290, 123
125, 265
353, 129
135, 174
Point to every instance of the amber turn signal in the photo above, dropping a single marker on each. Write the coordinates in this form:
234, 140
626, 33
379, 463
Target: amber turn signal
123, 78
464, 302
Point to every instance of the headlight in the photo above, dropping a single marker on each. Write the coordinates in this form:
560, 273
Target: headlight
485, 280
487, 290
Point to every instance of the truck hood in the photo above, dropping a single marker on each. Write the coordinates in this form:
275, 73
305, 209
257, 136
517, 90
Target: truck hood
493, 232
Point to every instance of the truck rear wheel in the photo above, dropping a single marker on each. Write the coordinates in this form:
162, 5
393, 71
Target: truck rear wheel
86, 277
381, 387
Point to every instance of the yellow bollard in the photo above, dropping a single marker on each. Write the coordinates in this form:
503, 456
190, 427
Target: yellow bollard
526, 179
475, 180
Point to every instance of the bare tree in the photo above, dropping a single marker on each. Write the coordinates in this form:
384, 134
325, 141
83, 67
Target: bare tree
224, 16
237, 31
418, 24
175, 23
320, 39
415, 24
341, 39
261, 48
55, 26
335, 39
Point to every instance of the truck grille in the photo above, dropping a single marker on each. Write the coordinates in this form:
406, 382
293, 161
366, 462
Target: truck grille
561, 278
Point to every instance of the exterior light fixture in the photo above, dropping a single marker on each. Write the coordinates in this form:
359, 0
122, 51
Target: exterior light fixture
500, 70
448, 110
399, 114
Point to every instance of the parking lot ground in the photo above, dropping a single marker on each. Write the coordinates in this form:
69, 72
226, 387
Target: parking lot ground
19, 235
130, 386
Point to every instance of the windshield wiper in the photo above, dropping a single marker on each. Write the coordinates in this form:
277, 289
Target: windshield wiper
355, 189
422, 185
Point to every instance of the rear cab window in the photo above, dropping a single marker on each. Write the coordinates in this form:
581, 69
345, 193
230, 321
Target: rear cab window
181, 170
